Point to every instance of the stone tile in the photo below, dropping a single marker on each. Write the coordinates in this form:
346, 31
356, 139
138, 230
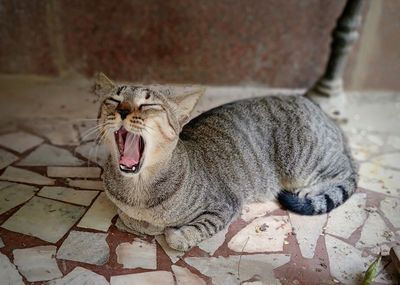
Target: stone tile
255, 210
20, 141
183, 276
59, 217
85, 247
379, 179
263, 234
344, 220
394, 141
226, 270
13, 194
78, 172
147, 278
253, 283
212, 244
37, 263
390, 207
138, 253
374, 232
93, 152
308, 229
80, 197
6, 158
86, 184
48, 155
80, 276
388, 159
87, 130
59, 132
25, 176
346, 262
99, 216
173, 254
8, 273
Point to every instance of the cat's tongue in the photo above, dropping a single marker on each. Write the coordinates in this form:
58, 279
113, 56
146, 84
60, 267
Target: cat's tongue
131, 155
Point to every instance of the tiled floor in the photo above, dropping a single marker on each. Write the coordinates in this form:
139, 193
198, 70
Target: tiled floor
58, 226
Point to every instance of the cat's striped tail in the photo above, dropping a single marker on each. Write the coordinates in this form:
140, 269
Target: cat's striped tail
329, 199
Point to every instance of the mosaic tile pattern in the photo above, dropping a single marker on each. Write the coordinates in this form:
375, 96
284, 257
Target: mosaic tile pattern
57, 226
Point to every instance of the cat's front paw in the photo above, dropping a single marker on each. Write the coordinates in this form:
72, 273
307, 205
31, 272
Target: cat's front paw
177, 240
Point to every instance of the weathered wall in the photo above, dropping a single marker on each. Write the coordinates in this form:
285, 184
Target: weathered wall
277, 43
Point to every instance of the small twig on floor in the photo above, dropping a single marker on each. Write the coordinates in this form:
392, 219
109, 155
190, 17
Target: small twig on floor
240, 257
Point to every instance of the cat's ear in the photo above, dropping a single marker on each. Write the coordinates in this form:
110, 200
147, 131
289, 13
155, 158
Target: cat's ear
186, 103
103, 85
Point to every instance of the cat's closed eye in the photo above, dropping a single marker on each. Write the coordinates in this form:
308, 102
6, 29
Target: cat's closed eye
145, 107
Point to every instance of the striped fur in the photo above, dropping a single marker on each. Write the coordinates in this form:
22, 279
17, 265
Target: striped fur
252, 150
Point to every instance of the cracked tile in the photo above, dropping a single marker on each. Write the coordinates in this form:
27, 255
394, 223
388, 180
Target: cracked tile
93, 152
80, 197
388, 159
6, 158
226, 270
394, 141
85, 247
308, 229
8, 273
48, 155
374, 232
185, 277
86, 184
346, 262
138, 253
59, 217
263, 234
173, 254
20, 141
147, 278
80, 276
26, 176
59, 132
76, 172
99, 216
391, 209
14, 194
87, 130
344, 220
255, 210
212, 244
37, 263
379, 179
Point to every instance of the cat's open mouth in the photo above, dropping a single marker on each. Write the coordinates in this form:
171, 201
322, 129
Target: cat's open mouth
130, 147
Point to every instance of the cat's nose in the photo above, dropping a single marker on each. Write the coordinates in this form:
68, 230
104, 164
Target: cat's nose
123, 113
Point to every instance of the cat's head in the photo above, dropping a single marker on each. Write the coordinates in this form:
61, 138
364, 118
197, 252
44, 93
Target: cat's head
141, 125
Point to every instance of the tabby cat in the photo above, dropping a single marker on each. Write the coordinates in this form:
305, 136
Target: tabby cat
189, 178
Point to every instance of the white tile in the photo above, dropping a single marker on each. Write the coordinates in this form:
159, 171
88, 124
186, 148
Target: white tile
86, 184
80, 197
226, 270
344, 220
8, 273
376, 178
374, 232
173, 254
85, 247
394, 141
270, 238
147, 278
255, 210
212, 244
6, 158
94, 152
48, 155
138, 253
78, 172
346, 262
21, 175
14, 194
58, 131
37, 263
99, 216
59, 218
80, 276
20, 141
390, 207
388, 159
183, 276
308, 229
87, 130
